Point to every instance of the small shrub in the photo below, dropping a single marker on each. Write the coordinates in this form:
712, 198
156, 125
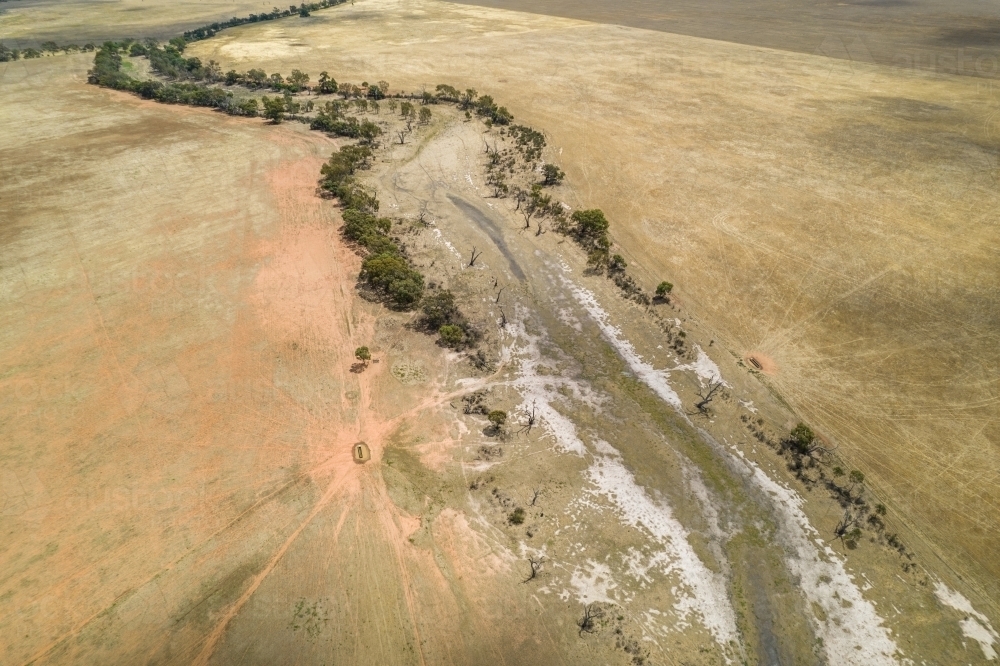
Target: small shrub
451, 335
474, 403
617, 264
598, 259
481, 362
439, 309
517, 516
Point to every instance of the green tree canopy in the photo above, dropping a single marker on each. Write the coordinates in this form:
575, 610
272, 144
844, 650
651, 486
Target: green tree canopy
390, 275
552, 175
439, 309
327, 85
274, 109
451, 335
591, 224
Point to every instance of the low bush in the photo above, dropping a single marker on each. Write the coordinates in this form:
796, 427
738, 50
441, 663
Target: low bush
451, 335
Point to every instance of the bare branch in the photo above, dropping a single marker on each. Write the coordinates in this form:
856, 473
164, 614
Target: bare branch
529, 425
844, 527
475, 255
500, 292
536, 566
535, 494
707, 397
587, 622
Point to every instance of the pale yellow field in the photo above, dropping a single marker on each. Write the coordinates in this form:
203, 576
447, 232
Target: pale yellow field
837, 217
30, 22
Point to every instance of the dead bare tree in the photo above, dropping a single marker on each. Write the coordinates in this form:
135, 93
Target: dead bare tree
475, 255
495, 282
503, 319
535, 494
421, 218
822, 450
527, 429
536, 566
402, 136
540, 229
848, 529
500, 292
707, 397
588, 622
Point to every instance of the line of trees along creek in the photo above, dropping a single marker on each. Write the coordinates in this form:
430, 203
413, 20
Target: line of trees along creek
386, 270
387, 273
203, 32
45, 48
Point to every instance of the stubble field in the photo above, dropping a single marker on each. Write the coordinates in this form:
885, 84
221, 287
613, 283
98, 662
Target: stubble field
25, 23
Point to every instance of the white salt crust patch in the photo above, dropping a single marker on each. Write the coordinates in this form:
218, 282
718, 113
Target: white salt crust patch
974, 625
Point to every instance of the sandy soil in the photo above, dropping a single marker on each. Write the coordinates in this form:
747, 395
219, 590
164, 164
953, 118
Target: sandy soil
833, 216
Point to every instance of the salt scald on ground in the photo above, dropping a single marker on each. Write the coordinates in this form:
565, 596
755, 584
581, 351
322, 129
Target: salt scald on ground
705, 593
975, 625
853, 634
653, 378
852, 631
704, 367
447, 243
538, 391
593, 585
